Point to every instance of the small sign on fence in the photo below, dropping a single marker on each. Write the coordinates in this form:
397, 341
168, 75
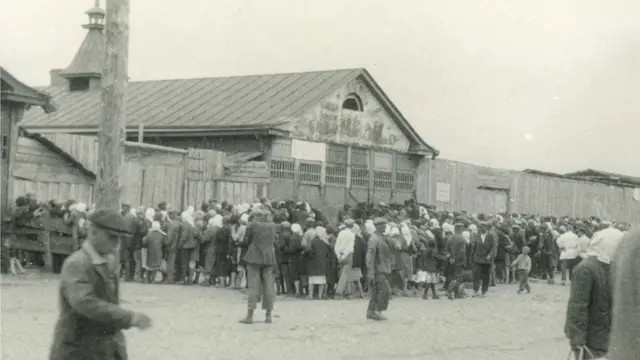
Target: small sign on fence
443, 192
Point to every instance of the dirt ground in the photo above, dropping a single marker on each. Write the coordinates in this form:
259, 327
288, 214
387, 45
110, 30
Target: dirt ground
202, 323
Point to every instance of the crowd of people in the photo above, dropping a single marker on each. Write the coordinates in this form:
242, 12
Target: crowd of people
319, 258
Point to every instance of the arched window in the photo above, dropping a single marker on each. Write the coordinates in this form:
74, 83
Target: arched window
352, 102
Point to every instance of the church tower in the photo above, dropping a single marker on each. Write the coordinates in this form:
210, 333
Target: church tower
85, 71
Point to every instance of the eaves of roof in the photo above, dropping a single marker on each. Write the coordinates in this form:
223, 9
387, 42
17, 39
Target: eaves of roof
21, 93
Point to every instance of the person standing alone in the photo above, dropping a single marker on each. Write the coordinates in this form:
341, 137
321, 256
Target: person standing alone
379, 260
261, 260
91, 320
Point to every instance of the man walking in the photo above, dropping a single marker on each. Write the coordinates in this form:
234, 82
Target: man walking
379, 260
485, 247
91, 320
261, 260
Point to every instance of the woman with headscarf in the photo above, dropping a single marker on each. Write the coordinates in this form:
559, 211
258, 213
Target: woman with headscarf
589, 310
154, 242
292, 252
307, 237
238, 234
149, 218
623, 343
187, 246
317, 270
222, 255
208, 244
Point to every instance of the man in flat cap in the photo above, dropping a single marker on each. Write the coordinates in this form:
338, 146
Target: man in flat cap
485, 248
379, 264
91, 320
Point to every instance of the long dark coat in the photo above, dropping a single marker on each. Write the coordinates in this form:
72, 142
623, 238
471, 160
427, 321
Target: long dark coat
222, 262
208, 245
90, 323
318, 255
154, 241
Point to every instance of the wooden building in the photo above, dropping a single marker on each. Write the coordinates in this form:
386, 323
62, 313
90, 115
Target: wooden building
329, 137
16, 97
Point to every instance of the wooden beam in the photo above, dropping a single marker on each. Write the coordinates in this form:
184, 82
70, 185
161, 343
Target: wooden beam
111, 131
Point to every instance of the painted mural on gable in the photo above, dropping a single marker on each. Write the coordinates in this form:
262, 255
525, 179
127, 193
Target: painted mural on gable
371, 127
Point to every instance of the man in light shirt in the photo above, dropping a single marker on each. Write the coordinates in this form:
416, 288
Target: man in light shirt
568, 244
344, 252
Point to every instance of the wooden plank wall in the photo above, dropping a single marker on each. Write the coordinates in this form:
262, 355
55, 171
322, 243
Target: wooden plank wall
207, 178
202, 169
527, 193
40, 171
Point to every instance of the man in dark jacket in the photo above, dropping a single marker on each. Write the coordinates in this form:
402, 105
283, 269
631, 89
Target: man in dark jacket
260, 259
546, 248
485, 247
91, 319
379, 261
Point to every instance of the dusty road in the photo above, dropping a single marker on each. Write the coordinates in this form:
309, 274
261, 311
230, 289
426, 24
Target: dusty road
202, 323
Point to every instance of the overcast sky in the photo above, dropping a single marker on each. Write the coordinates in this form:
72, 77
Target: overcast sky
549, 84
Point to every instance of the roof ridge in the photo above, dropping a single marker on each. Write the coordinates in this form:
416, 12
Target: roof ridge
249, 75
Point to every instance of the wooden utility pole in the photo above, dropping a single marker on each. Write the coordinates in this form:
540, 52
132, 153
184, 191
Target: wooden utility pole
111, 135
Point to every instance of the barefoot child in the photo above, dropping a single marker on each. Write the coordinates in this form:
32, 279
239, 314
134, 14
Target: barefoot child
522, 264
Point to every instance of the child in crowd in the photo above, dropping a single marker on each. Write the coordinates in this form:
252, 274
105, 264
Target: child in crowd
522, 264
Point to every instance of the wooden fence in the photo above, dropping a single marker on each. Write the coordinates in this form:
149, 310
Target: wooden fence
151, 173
452, 185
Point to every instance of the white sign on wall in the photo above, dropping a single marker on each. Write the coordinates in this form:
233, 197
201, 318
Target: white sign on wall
443, 192
308, 150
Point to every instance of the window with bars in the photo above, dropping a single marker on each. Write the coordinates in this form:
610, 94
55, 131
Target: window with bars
382, 179
404, 181
5, 147
282, 169
310, 172
360, 177
336, 175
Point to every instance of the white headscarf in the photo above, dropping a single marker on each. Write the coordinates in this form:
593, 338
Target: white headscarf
188, 217
604, 244
215, 221
81, 207
356, 229
473, 228
296, 229
369, 226
155, 226
149, 214
244, 219
424, 213
321, 233
467, 236
406, 232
